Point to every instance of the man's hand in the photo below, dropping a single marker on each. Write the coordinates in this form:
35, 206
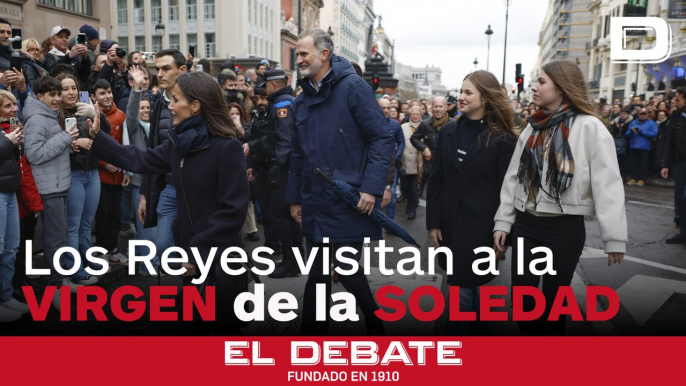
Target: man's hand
296, 213
665, 173
111, 57
436, 236
126, 181
191, 269
77, 50
246, 149
386, 199
19, 81
614, 258
251, 178
141, 209
111, 168
8, 78
121, 63
366, 204
427, 154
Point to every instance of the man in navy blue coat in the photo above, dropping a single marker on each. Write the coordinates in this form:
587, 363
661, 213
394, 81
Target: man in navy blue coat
340, 129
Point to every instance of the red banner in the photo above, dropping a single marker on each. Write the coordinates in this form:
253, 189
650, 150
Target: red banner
342, 360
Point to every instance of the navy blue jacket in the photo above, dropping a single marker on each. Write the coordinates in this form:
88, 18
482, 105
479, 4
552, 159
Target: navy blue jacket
398, 136
211, 185
342, 131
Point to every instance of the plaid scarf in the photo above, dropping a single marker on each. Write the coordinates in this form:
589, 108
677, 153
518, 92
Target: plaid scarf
550, 134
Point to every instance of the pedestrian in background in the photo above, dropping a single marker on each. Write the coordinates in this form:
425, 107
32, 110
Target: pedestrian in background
640, 134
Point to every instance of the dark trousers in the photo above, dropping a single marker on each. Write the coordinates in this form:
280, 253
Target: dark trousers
410, 187
355, 284
108, 217
679, 172
565, 236
27, 231
637, 166
277, 213
54, 217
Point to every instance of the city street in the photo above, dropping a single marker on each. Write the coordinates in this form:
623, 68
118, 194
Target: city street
651, 283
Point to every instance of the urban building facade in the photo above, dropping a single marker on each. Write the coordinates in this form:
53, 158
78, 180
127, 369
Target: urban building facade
622, 80
36, 18
566, 29
345, 20
217, 29
289, 29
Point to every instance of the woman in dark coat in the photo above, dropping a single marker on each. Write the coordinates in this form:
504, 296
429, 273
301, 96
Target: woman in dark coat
208, 168
471, 158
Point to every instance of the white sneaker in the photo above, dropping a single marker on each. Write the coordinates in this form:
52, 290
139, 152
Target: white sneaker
16, 305
131, 232
56, 302
117, 258
68, 283
7, 315
88, 280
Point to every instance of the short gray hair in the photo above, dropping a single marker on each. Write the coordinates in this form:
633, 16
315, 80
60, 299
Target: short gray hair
322, 40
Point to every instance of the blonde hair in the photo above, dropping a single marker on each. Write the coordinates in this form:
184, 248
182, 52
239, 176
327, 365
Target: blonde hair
4, 94
25, 47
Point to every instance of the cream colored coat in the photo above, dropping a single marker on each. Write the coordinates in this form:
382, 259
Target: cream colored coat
409, 157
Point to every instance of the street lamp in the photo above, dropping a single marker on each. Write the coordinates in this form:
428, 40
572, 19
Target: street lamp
476, 63
488, 33
507, 13
159, 29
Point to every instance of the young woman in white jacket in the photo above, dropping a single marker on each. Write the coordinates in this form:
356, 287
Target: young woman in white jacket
564, 168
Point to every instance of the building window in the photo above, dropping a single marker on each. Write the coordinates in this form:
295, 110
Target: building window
138, 11
192, 40
156, 11
140, 43
156, 43
84, 7
209, 9
122, 12
192, 10
209, 46
173, 10
174, 42
123, 43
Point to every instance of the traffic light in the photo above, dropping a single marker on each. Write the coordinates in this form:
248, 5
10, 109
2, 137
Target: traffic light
520, 83
518, 70
375, 78
513, 90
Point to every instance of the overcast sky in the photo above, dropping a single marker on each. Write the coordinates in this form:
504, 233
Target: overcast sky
450, 34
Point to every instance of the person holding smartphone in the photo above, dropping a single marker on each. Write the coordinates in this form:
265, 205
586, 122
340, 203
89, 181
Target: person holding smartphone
47, 150
19, 199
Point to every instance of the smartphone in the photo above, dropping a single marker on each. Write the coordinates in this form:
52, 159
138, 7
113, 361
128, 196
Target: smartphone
16, 44
81, 38
236, 120
149, 55
191, 50
198, 67
17, 62
14, 122
84, 97
69, 122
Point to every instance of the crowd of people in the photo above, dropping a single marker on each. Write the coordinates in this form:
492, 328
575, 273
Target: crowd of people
94, 139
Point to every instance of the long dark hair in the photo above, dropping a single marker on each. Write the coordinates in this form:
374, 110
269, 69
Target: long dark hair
201, 87
63, 109
498, 110
234, 105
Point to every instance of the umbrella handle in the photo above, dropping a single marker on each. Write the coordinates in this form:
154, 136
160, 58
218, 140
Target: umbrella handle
323, 176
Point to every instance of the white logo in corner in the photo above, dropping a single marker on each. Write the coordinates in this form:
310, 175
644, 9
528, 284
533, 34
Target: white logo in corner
619, 26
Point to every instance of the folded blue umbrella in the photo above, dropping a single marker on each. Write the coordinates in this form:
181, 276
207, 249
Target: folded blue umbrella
349, 194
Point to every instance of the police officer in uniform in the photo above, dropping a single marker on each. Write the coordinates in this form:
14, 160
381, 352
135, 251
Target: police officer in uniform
272, 153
